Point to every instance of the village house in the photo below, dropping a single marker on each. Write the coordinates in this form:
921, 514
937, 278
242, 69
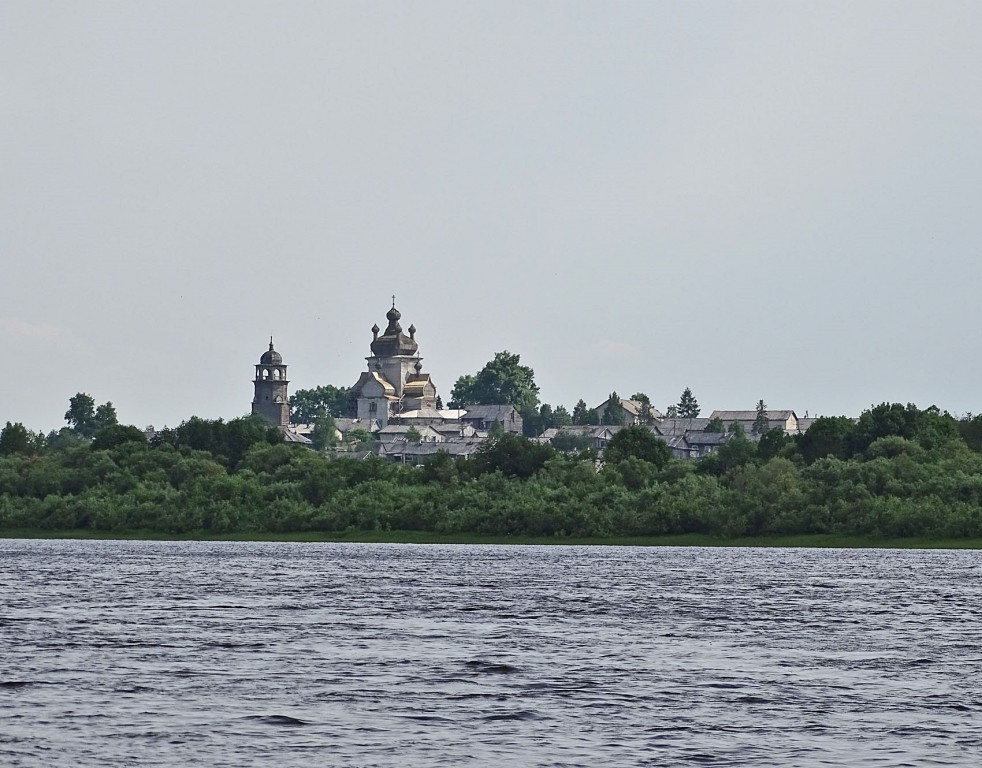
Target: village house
404, 452
484, 417
396, 402
400, 432
598, 436
667, 426
784, 420
632, 411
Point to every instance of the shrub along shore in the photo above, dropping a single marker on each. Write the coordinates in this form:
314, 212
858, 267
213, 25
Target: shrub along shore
808, 541
899, 476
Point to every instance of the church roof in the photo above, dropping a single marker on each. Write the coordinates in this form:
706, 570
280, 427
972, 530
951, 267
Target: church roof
271, 356
394, 342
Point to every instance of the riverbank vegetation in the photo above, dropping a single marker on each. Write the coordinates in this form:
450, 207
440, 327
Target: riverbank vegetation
898, 472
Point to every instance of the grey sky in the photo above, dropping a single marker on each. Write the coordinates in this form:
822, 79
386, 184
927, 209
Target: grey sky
757, 200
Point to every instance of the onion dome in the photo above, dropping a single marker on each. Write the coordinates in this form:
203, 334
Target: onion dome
271, 356
393, 342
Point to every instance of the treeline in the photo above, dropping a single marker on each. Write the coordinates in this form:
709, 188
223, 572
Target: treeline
897, 472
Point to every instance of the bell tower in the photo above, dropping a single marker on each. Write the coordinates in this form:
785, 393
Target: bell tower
271, 400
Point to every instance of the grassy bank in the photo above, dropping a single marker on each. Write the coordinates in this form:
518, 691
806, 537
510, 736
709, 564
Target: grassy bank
825, 541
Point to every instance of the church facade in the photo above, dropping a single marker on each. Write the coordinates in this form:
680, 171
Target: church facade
394, 382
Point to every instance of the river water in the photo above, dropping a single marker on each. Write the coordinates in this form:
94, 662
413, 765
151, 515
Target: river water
256, 654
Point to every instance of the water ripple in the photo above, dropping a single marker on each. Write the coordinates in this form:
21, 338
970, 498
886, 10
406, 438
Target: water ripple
242, 654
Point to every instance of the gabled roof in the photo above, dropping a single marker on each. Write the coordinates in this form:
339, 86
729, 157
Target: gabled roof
430, 413
706, 438
418, 388
346, 425
368, 377
729, 416
631, 407
290, 436
668, 426
603, 431
393, 430
489, 412
450, 447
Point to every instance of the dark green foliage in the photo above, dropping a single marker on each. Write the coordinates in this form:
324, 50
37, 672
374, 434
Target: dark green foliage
585, 417
645, 415
15, 439
827, 436
359, 439
735, 452
639, 443
572, 442
771, 443
715, 425
307, 405
117, 434
210, 477
579, 411
85, 419
502, 381
441, 469
547, 418
970, 428
930, 427
227, 441
325, 432
560, 417
614, 414
105, 416
81, 414
761, 424
688, 407
513, 456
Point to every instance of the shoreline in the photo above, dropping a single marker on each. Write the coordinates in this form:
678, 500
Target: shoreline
801, 541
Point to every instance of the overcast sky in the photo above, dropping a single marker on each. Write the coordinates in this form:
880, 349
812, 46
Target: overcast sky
774, 200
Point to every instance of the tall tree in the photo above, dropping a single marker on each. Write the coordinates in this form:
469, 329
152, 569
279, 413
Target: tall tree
579, 411
502, 381
614, 414
715, 425
307, 405
638, 442
561, 417
929, 427
325, 432
81, 414
14, 439
547, 418
827, 436
672, 412
645, 416
761, 423
970, 428
688, 407
105, 416
511, 455
85, 419
461, 393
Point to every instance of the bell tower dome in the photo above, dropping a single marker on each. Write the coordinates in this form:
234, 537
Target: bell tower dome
271, 400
